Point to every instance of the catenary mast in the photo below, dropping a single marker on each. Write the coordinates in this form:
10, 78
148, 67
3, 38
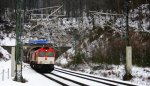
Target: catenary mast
18, 51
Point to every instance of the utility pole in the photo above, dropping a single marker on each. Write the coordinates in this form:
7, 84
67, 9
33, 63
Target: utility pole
18, 52
128, 66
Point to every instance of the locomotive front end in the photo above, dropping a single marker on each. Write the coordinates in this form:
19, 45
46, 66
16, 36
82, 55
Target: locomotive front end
43, 59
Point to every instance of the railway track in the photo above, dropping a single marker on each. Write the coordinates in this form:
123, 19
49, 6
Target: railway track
55, 80
65, 81
62, 80
104, 81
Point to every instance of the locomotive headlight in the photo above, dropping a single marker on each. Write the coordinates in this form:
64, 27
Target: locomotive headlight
45, 50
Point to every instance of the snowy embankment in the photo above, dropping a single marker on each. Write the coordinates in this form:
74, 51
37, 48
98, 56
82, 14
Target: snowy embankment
141, 75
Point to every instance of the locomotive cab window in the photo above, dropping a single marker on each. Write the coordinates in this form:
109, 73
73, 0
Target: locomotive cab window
50, 54
41, 54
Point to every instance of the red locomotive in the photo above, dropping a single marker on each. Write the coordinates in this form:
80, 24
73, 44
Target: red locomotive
43, 59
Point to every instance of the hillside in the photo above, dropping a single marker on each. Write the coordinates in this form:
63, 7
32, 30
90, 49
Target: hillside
103, 44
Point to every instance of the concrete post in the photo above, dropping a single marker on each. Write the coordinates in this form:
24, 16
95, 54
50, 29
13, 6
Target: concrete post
129, 59
12, 61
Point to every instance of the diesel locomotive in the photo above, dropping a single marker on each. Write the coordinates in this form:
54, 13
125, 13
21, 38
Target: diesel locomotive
43, 59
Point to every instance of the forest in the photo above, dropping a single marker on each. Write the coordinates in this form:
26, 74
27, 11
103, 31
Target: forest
74, 7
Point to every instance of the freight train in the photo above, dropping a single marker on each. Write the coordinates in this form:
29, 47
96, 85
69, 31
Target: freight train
43, 59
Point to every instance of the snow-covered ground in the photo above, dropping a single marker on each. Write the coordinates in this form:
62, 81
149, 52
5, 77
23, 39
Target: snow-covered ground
32, 77
141, 75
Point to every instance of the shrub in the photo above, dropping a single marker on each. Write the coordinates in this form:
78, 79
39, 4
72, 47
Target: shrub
77, 59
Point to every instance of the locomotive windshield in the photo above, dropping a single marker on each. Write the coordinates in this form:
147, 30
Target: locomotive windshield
50, 54
41, 54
